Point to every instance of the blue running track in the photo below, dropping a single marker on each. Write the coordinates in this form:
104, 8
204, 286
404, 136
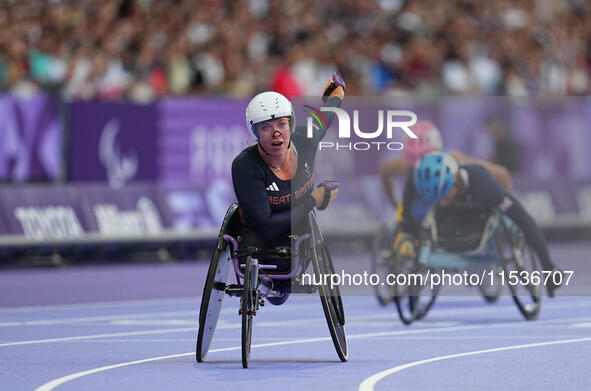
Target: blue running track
134, 328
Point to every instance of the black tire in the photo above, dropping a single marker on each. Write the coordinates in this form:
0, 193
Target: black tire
212, 300
248, 306
413, 300
418, 302
383, 263
330, 298
426, 298
517, 256
335, 293
491, 292
214, 289
405, 296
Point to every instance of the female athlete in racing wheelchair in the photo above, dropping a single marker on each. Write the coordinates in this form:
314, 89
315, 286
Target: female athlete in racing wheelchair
473, 224
271, 236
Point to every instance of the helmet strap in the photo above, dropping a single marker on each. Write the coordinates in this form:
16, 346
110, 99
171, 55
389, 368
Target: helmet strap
262, 149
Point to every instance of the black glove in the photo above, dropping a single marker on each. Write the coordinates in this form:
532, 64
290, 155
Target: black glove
329, 186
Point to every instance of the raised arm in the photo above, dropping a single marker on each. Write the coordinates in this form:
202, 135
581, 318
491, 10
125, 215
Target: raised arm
332, 96
388, 171
500, 173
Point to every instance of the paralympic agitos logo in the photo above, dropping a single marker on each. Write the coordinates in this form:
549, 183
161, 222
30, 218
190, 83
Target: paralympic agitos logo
401, 120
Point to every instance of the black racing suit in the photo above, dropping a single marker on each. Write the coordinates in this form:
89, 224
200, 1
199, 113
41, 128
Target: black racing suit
483, 192
268, 204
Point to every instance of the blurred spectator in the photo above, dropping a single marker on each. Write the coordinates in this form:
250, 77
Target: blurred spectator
284, 82
144, 49
506, 150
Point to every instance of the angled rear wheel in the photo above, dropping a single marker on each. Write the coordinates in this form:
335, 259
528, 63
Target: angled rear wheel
330, 297
519, 262
215, 286
212, 299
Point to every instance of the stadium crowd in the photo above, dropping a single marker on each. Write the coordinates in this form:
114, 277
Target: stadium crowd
145, 49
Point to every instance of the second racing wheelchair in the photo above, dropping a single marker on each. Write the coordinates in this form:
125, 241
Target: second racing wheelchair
488, 244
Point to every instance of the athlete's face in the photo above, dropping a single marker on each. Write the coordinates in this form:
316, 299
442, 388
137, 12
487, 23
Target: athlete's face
274, 135
451, 196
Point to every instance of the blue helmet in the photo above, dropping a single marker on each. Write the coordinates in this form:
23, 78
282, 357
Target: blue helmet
434, 175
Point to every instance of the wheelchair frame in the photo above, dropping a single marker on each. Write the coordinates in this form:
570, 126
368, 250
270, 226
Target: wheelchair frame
501, 245
390, 256
251, 274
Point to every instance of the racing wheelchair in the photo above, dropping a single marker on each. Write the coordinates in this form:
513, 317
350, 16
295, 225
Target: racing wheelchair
393, 254
489, 244
258, 277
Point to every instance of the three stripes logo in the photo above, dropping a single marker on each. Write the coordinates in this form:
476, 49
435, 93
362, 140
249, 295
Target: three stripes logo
272, 187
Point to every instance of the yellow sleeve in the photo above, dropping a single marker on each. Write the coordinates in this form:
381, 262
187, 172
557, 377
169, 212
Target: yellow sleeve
399, 212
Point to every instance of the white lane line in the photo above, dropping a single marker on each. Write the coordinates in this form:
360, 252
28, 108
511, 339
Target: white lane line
190, 313
95, 304
56, 382
369, 383
157, 301
193, 313
394, 337
440, 338
223, 325
126, 318
110, 304
82, 337
47, 322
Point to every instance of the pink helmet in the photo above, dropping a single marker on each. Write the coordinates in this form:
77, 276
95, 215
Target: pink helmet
428, 140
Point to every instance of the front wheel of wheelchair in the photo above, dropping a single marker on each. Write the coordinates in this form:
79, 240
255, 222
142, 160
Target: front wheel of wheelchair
383, 263
412, 296
426, 296
519, 260
213, 296
332, 303
248, 307
491, 288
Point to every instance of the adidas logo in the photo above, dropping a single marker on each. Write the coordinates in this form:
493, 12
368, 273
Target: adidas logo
272, 187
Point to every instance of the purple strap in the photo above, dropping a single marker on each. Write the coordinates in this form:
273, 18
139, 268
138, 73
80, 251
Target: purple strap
330, 185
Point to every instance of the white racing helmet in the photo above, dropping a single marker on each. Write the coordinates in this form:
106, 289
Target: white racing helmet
268, 105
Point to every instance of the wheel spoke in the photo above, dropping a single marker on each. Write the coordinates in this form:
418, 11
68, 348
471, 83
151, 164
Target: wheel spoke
526, 295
